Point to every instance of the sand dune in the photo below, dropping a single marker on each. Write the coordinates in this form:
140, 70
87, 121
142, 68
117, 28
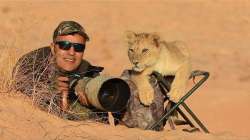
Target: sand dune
217, 33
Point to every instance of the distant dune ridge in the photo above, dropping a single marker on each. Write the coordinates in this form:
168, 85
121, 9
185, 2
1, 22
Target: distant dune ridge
217, 33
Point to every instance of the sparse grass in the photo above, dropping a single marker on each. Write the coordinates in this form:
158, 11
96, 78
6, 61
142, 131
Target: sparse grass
8, 58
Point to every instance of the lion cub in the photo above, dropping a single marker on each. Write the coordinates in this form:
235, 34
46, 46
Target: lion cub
148, 53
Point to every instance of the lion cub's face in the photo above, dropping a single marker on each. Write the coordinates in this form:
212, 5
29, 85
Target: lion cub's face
143, 50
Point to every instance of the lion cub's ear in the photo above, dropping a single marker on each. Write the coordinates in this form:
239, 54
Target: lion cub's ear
155, 38
130, 37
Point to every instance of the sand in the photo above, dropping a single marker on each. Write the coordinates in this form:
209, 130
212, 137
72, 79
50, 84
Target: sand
217, 33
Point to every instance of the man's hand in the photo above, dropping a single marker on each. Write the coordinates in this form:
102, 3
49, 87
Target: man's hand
62, 85
82, 98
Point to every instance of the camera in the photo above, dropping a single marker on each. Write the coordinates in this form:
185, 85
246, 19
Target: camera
107, 93
103, 92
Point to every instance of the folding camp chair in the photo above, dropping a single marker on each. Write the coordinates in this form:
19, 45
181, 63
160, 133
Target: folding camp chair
165, 84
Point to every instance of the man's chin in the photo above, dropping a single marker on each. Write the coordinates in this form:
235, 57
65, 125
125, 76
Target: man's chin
68, 68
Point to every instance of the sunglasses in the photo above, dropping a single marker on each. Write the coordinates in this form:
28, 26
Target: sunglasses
66, 45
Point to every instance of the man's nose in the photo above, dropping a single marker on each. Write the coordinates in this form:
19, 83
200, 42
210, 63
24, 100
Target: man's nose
72, 50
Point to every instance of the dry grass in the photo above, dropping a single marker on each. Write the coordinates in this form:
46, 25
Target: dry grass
10, 53
8, 58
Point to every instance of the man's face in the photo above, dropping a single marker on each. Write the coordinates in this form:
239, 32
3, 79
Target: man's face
68, 60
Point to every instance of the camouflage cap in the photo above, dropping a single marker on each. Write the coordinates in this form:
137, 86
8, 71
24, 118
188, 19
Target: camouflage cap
69, 27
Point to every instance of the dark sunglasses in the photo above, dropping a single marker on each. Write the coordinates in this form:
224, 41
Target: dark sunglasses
66, 45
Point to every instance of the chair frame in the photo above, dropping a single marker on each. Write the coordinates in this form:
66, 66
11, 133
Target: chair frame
164, 84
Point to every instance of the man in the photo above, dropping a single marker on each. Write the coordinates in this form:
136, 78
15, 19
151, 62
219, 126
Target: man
44, 74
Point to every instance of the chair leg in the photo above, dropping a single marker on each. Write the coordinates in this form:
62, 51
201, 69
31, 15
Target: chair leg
195, 118
170, 119
185, 117
166, 116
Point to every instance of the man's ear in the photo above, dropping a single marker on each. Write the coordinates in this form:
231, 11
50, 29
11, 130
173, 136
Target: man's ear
130, 37
52, 48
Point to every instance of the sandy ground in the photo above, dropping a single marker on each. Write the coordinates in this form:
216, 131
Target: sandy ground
217, 33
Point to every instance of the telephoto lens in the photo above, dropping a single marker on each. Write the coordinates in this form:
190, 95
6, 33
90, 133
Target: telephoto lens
107, 93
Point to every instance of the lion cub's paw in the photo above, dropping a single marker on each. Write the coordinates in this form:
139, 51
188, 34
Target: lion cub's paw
175, 95
146, 96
